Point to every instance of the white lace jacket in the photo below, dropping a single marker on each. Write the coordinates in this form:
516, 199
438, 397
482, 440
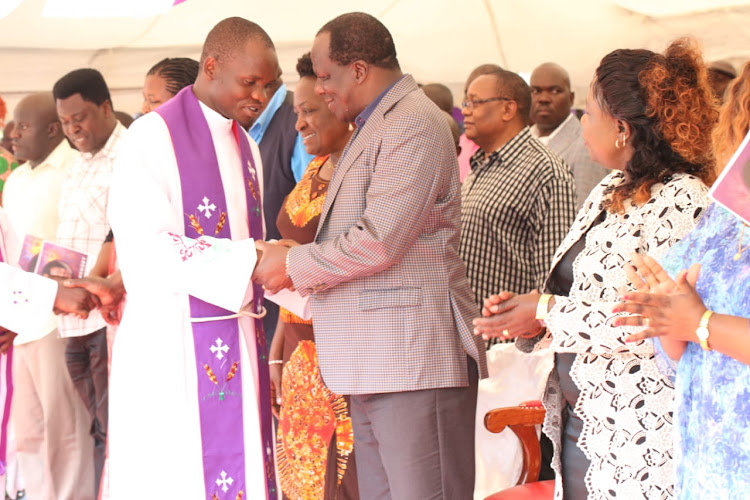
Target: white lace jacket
625, 402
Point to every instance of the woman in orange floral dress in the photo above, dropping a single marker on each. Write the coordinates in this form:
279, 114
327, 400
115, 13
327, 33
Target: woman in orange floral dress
315, 443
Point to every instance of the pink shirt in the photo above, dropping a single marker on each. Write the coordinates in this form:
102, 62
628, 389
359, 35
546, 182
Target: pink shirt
468, 148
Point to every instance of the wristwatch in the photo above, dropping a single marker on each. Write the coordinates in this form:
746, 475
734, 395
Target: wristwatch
702, 331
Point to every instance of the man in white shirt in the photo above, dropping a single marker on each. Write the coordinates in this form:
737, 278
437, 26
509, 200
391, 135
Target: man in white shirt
84, 107
54, 449
161, 443
558, 129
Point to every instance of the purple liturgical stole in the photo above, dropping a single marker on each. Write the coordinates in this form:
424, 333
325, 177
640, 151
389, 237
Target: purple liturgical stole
217, 346
6, 380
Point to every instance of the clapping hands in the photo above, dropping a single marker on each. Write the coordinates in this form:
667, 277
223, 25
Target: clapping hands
508, 315
664, 307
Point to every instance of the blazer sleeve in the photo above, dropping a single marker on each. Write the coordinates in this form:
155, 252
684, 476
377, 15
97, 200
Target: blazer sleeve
407, 179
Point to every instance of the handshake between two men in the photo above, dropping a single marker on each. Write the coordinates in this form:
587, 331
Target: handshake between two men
270, 270
80, 297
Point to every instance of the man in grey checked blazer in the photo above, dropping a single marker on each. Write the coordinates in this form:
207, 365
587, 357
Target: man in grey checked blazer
558, 129
389, 296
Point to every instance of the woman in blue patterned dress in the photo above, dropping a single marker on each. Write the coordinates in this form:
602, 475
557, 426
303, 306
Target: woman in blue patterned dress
712, 374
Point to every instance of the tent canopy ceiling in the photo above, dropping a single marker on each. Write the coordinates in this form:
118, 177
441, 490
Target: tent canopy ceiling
437, 41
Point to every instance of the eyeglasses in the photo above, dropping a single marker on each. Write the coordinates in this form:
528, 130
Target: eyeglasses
471, 104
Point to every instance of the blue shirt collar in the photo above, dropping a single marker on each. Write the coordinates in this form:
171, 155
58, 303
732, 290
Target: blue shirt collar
361, 118
258, 129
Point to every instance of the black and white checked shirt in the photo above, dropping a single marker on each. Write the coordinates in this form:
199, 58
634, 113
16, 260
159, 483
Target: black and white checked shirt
516, 208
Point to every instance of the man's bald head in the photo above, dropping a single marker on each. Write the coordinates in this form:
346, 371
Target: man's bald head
551, 97
482, 69
230, 36
440, 95
37, 131
41, 104
552, 70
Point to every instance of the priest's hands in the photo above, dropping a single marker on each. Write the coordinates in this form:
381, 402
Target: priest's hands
107, 292
73, 301
270, 270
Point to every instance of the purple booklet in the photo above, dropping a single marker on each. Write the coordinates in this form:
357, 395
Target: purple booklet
732, 188
56, 261
30, 253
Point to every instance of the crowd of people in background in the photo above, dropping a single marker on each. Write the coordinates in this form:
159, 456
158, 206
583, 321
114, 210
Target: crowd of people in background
291, 294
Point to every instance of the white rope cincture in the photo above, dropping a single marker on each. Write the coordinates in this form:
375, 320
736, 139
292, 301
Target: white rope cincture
245, 311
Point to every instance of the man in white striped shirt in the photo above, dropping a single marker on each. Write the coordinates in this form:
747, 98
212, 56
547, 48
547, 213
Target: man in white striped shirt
85, 110
519, 200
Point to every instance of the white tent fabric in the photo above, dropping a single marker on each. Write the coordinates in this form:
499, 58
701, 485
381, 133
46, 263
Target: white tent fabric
437, 41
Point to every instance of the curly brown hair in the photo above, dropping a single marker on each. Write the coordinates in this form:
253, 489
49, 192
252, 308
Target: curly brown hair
734, 119
666, 100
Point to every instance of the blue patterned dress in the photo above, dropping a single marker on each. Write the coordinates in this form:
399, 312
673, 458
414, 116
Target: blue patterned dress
713, 390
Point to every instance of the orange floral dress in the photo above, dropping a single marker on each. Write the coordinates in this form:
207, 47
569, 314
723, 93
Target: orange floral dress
315, 442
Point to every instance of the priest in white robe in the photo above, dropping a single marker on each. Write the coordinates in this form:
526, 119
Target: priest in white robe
169, 258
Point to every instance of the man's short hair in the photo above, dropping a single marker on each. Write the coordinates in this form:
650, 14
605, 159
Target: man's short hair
482, 69
357, 36
512, 86
85, 81
230, 36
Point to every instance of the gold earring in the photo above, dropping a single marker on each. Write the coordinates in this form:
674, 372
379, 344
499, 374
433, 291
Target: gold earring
618, 145
351, 126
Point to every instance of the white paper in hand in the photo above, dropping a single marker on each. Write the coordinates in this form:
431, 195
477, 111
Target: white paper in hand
292, 302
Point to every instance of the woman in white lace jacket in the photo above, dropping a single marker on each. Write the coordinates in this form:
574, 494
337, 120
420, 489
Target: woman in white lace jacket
609, 409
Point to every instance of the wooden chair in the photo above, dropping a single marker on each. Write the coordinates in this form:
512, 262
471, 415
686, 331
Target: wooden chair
522, 420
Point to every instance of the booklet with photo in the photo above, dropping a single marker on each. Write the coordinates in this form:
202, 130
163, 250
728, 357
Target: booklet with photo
732, 188
57, 261
30, 253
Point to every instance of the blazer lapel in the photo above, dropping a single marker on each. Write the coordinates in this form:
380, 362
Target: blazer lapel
565, 136
356, 145
352, 151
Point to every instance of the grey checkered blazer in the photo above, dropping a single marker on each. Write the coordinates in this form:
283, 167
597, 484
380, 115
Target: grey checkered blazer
390, 301
568, 144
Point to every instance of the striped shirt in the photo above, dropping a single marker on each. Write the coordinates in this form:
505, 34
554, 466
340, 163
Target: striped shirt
83, 217
516, 208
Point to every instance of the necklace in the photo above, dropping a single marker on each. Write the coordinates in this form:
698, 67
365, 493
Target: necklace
740, 249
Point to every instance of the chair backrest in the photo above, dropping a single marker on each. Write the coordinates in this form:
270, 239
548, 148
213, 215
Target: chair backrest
522, 420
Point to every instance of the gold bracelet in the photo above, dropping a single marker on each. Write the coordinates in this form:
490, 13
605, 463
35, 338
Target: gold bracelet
541, 307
